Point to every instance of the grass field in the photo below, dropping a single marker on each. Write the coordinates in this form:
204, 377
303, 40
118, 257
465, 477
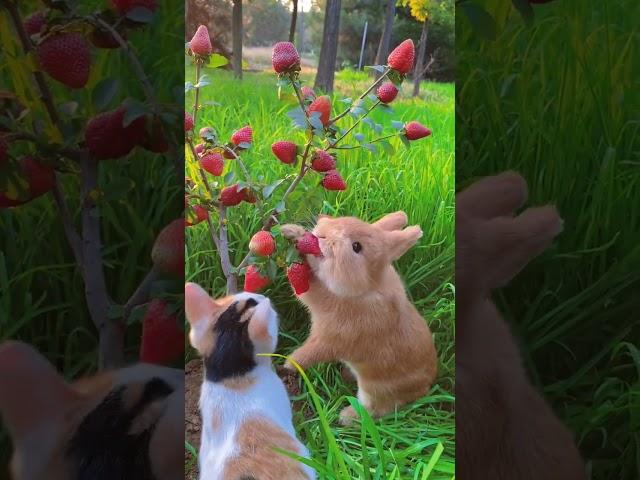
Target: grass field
417, 442
559, 102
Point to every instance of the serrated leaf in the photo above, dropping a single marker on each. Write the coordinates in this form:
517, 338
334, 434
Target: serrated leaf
280, 207
397, 125
134, 110
244, 145
371, 147
377, 68
104, 92
272, 269
269, 189
314, 120
228, 178
68, 108
405, 141
387, 147
216, 61
359, 137
481, 21
140, 15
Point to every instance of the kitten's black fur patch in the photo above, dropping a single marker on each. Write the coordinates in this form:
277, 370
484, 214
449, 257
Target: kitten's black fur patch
101, 448
233, 355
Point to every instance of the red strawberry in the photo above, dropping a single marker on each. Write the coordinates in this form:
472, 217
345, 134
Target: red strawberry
201, 214
401, 59
156, 141
244, 135
200, 44
415, 130
230, 196
199, 148
308, 244
333, 181
162, 336
104, 39
168, 250
212, 163
322, 161
188, 122
387, 92
249, 196
299, 275
285, 57
323, 105
124, 6
66, 58
307, 92
229, 155
285, 151
4, 146
262, 244
253, 281
41, 179
35, 22
107, 138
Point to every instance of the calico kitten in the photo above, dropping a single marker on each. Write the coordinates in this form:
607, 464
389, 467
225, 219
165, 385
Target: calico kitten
126, 424
245, 409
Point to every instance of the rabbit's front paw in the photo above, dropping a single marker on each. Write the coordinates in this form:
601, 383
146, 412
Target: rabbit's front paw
292, 231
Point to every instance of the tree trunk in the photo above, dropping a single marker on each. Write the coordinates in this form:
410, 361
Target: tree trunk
422, 49
385, 39
294, 17
329, 48
236, 30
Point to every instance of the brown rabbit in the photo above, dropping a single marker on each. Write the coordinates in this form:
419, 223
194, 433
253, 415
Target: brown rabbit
504, 428
360, 313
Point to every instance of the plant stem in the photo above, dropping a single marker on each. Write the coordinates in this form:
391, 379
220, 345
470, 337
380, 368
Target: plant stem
332, 145
75, 242
225, 261
366, 92
196, 100
296, 89
141, 295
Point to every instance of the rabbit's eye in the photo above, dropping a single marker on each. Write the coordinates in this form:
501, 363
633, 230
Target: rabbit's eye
356, 247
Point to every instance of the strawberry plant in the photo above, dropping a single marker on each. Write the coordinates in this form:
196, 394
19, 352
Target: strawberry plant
312, 154
43, 145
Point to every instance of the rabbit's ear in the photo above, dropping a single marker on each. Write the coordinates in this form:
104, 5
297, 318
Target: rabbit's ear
399, 241
499, 195
392, 221
511, 243
31, 391
198, 304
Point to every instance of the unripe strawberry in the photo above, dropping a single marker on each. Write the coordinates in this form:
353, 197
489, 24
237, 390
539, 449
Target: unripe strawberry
333, 181
66, 58
401, 58
162, 335
387, 92
41, 179
35, 22
253, 281
200, 213
244, 135
415, 130
322, 161
308, 244
262, 244
285, 57
230, 196
124, 6
285, 151
168, 250
299, 275
188, 122
307, 92
107, 138
323, 105
200, 44
212, 163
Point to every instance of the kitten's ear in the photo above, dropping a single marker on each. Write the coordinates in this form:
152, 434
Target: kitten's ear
31, 391
197, 303
392, 221
399, 241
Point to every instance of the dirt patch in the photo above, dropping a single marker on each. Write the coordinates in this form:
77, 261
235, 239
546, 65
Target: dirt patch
193, 381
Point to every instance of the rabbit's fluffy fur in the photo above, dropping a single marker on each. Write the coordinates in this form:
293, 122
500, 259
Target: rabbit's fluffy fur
361, 315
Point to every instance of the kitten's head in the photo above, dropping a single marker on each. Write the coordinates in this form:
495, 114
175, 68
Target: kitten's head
238, 326
355, 254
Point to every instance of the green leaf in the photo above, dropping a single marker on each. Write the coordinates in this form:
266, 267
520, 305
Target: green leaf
405, 141
280, 207
481, 21
397, 125
314, 120
377, 68
387, 147
217, 61
68, 108
371, 147
104, 92
244, 145
269, 189
228, 178
526, 11
348, 101
134, 110
140, 15
359, 137
272, 269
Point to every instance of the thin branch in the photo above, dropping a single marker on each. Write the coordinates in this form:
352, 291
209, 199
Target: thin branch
74, 239
142, 293
332, 145
67, 152
197, 96
225, 261
367, 91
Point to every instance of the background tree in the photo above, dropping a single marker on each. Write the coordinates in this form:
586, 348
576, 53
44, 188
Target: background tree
236, 34
294, 18
329, 48
265, 22
385, 38
420, 11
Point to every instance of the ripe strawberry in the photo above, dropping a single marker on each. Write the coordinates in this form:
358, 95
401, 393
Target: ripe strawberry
415, 130
285, 151
307, 92
323, 105
322, 161
230, 196
244, 135
212, 163
401, 59
156, 140
199, 148
188, 122
124, 6
285, 57
201, 214
249, 196
387, 92
253, 281
66, 58
333, 181
162, 336
200, 44
299, 275
35, 22
308, 244
262, 244
168, 250
41, 179
107, 138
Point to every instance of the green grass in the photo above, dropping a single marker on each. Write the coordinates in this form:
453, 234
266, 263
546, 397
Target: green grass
417, 442
559, 102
